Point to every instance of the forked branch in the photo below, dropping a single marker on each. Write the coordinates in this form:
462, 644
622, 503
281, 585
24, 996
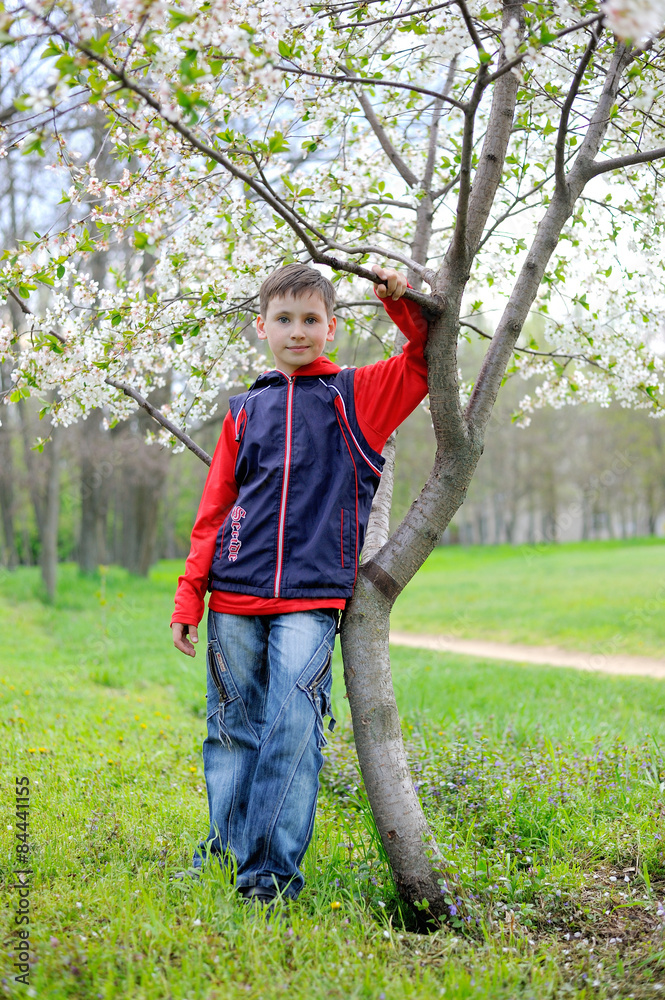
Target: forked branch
560, 150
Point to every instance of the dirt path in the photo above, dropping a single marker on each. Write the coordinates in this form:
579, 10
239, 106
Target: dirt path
552, 656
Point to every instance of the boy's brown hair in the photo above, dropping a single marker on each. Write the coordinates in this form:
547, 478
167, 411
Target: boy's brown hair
294, 279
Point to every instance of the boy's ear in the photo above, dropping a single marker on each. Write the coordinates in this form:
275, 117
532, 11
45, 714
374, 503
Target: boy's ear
261, 328
332, 326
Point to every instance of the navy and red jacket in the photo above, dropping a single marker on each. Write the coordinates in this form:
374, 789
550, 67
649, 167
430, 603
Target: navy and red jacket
284, 510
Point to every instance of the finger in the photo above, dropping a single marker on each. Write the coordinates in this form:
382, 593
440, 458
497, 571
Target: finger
185, 646
193, 633
180, 640
380, 272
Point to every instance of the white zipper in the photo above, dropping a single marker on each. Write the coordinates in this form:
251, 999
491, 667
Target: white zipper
285, 486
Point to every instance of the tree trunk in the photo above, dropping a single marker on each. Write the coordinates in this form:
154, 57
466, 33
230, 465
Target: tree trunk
143, 476
49, 538
9, 555
94, 487
378, 737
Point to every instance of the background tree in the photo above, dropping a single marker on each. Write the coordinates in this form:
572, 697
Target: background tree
501, 151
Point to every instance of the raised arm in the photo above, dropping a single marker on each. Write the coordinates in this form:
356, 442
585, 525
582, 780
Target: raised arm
388, 391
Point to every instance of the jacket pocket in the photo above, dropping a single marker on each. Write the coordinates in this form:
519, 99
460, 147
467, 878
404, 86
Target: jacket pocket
346, 538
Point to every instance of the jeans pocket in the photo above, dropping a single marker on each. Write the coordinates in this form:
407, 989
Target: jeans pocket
218, 672
225, 687
318, 689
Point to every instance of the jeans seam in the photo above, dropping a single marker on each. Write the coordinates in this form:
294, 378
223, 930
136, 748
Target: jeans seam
238, 696
286, 786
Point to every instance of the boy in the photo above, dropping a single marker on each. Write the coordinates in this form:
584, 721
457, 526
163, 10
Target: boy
277, 539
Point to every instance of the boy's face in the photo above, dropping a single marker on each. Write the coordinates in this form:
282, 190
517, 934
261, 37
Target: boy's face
296, 328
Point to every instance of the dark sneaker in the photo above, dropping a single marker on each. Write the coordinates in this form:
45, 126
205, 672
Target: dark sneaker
258, 894
190, 873
262, 897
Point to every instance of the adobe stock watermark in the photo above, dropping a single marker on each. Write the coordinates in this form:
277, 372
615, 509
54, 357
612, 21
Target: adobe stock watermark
18, 941
593, 489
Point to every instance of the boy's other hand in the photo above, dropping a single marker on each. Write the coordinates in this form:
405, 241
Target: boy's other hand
181, 636
393, 283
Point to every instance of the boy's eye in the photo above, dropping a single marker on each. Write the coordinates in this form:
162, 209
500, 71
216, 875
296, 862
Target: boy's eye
282, 319
310, 319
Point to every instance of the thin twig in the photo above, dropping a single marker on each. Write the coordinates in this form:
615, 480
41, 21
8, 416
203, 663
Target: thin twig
160, 418
576, 82
516, 60
394, 17
368, 81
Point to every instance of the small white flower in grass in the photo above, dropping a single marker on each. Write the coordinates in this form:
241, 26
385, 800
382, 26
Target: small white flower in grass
196, 923
79, 906
9, 826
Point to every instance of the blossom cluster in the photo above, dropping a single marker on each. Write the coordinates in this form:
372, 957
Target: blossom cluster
228, 150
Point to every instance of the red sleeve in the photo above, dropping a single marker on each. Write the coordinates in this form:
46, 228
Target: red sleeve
219, 494
387, 392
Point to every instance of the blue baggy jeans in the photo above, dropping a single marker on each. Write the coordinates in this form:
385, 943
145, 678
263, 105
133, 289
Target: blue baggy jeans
268, 688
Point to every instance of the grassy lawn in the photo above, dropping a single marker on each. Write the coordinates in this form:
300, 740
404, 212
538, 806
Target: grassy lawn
608, 597
546, 790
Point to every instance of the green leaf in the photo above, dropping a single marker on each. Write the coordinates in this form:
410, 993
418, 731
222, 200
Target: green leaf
177, 18
277, 143
61, 271
99, 45
51, 50
284, 49
546, 36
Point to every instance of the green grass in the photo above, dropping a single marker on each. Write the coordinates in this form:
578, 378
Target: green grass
608, 597
545, 789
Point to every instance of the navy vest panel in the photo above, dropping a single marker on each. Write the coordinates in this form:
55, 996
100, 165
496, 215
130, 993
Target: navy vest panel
306, 480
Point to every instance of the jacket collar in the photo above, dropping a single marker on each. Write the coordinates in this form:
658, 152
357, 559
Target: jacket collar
322, 366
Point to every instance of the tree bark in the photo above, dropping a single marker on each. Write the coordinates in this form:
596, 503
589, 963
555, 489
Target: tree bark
49, 536
10, 555
94, 488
